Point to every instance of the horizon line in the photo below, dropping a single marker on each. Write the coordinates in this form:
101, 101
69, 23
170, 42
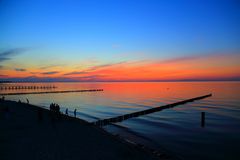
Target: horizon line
227, 80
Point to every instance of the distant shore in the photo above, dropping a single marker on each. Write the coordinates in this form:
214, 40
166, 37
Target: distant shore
30, 132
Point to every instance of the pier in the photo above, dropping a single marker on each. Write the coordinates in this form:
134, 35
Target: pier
145, 112
67, 91
26, 87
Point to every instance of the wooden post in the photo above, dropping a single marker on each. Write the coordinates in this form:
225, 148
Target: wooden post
202, 119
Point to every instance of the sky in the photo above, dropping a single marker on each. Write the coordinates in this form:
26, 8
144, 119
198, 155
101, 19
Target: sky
119, 40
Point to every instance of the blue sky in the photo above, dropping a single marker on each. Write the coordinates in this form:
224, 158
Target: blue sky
73, 31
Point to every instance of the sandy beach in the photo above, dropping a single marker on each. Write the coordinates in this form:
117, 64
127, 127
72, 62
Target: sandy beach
25, 135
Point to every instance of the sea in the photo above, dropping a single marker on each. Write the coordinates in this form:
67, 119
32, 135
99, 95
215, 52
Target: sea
176, 131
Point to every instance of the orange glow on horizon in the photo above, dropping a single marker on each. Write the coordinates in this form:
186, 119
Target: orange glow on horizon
210, 67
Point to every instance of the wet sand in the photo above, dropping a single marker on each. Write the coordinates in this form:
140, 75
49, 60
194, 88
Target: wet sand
24, 136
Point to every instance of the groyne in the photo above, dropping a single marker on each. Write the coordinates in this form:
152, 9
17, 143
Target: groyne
145, 112
26, 87
67, 91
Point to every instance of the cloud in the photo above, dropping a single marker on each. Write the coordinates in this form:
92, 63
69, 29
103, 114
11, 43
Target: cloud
51, 66
104, 66
7, 55
34, 72
20, 69
37, 79
199, 56
75, 73
91, 78
93, 68
49, 73
188, 68
181, 59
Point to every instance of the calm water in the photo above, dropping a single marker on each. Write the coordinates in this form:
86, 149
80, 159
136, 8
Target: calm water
175, 130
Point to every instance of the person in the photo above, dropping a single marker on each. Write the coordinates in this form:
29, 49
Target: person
75, 112
51, 107
27, 101
57, 108
66, 112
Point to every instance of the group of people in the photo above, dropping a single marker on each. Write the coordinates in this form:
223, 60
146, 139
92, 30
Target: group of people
54, 107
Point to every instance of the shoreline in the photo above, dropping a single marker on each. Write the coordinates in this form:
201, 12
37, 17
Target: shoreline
69, 137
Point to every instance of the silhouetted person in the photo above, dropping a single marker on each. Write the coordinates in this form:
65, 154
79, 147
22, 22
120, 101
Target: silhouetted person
19, 101
50, 107
3, 98
75, 112
66, 112
27, 101
57, 108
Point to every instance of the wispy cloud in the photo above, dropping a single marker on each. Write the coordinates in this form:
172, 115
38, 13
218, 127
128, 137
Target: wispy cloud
93, 68
50, 73
90, 78
180, 59
196, 67
75, 73
199, 56
20, 69
38, 79
51, 66
7, 55
34, 72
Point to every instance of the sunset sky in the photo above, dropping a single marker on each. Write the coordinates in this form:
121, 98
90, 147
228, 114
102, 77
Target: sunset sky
119, 40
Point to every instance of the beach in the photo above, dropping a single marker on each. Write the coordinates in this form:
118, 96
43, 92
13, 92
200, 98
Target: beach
30, 132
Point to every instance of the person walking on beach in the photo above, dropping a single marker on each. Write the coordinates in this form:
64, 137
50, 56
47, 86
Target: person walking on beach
75, 112
27, 101
66, 112
51, 107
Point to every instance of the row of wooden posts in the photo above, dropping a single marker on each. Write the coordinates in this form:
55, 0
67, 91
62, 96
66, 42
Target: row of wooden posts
26, 87
108, 121
53, 91
148, 111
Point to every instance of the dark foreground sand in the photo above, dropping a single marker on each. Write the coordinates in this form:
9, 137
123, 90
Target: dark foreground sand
23, 136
